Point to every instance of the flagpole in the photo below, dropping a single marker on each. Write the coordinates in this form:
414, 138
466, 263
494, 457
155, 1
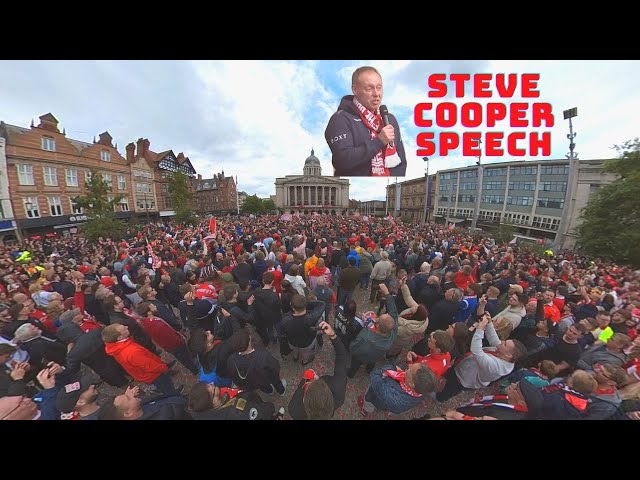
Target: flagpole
386, 213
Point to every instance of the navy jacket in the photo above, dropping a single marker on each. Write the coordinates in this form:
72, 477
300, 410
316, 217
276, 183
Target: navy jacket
351, 145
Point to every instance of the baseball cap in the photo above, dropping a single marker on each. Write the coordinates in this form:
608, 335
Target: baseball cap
107, 282
70, 393
517, 288
84, 269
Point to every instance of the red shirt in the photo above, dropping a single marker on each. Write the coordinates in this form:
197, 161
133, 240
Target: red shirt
552, 312
277, 280
462, 281
559, 302
439, 363
161, 333
205, 291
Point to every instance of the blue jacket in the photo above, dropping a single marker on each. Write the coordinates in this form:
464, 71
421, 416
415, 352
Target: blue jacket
387, 394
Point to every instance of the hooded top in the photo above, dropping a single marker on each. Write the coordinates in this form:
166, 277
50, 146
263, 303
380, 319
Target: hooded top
138, 362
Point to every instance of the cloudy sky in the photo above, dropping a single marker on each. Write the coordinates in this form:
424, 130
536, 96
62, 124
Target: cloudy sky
260, 119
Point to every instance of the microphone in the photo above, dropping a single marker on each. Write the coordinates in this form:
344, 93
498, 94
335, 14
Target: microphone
384, 111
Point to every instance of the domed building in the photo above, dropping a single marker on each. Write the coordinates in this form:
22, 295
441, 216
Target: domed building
312, 192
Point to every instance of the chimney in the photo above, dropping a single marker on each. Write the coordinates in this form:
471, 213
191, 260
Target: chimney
140, 145
131, 148
146, 145
199, 177
49, 122
105, 139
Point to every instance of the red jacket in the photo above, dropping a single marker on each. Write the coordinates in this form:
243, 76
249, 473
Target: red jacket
438, 363
137, 361
552, 312
205, 291
161, 333
463, 281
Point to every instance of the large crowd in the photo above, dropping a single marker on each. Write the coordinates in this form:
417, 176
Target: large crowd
103, 330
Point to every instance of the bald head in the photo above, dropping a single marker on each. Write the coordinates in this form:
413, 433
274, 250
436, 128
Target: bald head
385, 323
433, 280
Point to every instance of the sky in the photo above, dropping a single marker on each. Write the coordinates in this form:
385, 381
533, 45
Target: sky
259, 120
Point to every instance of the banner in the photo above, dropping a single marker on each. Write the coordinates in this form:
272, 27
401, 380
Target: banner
212, 225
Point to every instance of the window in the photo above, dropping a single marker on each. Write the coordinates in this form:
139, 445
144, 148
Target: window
122, 182
72, 177
444, 198
31, 207
469, 174
493, 186
546, 223
164, 188
75, 208
25, 174
168, 202
555, 170
143, 188
495, 172
517, 200
524, 170
124, 204
442, 211
516, 218
529, 186
107, 178
467, 198
552, 186
469, 186
87, 176
105, 155
551, 202
48, 144
55, 206
50, 176
492, 199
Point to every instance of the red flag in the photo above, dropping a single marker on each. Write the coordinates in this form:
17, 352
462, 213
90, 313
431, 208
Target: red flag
212, 225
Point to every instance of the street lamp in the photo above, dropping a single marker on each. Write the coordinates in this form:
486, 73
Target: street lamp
426, 189
572, 156
476, 213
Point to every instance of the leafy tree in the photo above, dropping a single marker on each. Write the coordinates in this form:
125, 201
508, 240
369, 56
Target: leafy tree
268, 205
181, 195
99, 203
610, 223
253, 204
504, 233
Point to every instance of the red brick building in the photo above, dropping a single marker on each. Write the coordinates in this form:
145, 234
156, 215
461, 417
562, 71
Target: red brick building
215, 195
46, 170
150, 172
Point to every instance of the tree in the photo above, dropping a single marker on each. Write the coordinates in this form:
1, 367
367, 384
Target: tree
99, 203
504, 233
610, 223
268, 205
181, 196
253, 204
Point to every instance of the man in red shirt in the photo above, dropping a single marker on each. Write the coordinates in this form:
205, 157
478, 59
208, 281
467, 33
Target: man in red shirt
439, 358
550, 309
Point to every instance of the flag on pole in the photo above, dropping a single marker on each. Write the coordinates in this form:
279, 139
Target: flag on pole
212, 225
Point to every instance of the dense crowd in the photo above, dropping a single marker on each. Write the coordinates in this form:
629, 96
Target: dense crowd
535, 335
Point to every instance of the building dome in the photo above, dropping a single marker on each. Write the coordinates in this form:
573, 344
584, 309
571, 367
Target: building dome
312, 160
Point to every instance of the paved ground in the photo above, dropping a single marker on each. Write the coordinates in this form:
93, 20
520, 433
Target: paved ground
323, 364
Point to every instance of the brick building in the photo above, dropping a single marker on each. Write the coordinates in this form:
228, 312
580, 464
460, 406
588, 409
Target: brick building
150, 172
46, 170
215, 195
408, 201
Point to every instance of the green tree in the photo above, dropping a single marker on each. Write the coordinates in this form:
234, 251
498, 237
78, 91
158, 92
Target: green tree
181, 196
99, 203
610, 223
268, 205
504, 233
253, 204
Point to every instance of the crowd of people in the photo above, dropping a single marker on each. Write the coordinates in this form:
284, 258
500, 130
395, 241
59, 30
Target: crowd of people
535, 335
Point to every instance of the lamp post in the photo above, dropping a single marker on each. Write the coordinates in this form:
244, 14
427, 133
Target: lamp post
476, 213
572, 156
426, 189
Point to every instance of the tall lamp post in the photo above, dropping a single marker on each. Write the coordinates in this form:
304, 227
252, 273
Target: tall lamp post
426, 189
572, 156
476, 213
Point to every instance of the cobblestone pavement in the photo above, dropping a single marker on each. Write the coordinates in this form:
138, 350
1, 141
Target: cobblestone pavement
323, 364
